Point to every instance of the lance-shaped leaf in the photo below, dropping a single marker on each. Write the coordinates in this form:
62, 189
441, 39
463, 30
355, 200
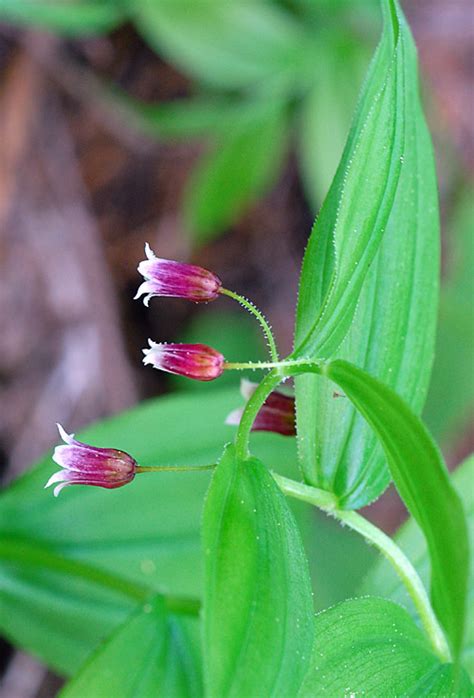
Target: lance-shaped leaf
383, 580
348, 230
242, 165
392, 331
422, 479
258, 611
69, 18
371, 647
149, 655
72, 568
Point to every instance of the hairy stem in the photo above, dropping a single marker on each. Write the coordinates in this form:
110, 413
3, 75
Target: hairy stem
173, 468
283, 366
251, 409
389, 549
248, 305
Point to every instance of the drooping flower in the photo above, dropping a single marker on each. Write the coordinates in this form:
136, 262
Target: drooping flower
88, 465
277, 413
196, 361
165, 277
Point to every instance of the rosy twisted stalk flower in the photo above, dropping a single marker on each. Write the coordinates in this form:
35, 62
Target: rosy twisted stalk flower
196, 361
165, 277
88, 465
277, 413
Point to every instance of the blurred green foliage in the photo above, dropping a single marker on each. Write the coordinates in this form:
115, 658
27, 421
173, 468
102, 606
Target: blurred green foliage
451, 398
263, 72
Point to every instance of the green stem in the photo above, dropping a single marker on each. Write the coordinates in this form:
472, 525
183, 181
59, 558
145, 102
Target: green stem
326, 501
17, 550
172, 468
280, 370
390, 550
281, 365
248, 305
251, 409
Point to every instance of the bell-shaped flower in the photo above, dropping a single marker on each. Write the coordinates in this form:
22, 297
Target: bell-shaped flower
277, 413
196, 361
165, 277
88, 465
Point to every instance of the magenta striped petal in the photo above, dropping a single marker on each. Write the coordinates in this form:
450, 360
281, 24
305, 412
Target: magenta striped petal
167, 278
197, 361
88, 465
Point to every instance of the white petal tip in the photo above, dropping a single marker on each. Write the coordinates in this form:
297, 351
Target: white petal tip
233, 419
149, 252
67, 438
56, 477
60, 487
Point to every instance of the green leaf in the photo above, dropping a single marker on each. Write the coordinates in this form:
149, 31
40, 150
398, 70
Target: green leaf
325, 114
72, 568
371, 647
229, 45
242, 166
451, 396
149, 655
393, 328
382, 578
349, 228
258, 611
422, 480
68, 17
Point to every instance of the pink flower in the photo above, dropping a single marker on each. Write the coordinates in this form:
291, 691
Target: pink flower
277, 413
87, 465
164, 277
196, 361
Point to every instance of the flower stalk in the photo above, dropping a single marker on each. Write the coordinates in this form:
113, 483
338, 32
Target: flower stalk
173, 468
267, 331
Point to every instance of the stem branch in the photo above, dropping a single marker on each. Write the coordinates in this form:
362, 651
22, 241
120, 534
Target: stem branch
389, 549
251, 409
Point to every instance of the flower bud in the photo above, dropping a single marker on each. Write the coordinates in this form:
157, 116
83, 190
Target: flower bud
196, 361
164, 277
87, 465
277, 413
